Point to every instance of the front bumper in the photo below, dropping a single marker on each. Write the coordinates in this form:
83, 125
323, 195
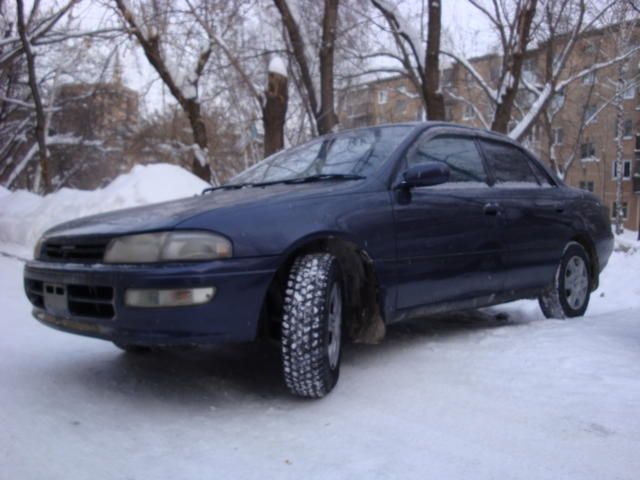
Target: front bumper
231, 316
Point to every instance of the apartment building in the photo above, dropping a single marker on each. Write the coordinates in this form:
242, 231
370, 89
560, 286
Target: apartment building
579, 139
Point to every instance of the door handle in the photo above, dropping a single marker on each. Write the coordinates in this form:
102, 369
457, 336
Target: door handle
559, 209
492, 209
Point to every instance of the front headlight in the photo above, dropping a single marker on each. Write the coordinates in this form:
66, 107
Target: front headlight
167, 247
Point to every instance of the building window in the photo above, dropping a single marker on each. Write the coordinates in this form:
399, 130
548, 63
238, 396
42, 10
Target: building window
589, 79
469, 112
557, 136
587, 150
586, 185
557, 101
627, 128
637, 143
591, 113
383, 96
448, 113
446, 78
626, 170
494, 71
401, 107
529, 65
629, 92
625, 210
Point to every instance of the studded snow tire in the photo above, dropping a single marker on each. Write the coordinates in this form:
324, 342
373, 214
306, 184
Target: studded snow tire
311, 326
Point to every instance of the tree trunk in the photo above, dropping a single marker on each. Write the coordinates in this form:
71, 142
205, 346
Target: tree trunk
433, 98
298, 47
326, 117
324, 114
151, 47
200, 166
41, 127
505, 102
274, 113
619, 214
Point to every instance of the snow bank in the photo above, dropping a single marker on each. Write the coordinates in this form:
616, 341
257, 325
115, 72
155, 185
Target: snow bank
24, 216
619, 288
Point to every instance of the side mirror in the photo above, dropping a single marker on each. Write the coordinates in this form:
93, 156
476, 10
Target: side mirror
426, 175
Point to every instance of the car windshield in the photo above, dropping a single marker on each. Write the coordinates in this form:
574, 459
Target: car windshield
353, 154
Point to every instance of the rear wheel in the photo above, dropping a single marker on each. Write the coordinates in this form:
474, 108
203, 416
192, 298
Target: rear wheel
312, 326
569, 294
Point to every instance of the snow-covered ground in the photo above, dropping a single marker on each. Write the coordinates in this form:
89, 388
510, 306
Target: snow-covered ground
500, 394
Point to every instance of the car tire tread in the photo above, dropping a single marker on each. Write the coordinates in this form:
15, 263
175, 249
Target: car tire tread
306, 368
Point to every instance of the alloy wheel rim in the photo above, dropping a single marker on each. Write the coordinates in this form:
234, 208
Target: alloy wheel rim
576, 282
335, 325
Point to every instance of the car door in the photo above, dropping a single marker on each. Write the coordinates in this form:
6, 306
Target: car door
447, 240
535, 226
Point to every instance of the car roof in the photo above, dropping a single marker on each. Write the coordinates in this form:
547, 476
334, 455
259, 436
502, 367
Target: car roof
431, 124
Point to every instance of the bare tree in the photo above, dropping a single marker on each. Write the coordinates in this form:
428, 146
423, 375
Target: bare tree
624, 36
421, 66
271, 103
148, 32
40, 130
275, 107
321, 104
618, 37
25, 112
560, 26
512, 23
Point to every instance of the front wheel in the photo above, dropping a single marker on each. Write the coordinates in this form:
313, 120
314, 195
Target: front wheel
312, 326
568, 295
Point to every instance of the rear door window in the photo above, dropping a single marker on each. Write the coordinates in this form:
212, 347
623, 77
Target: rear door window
509, 165
459, 153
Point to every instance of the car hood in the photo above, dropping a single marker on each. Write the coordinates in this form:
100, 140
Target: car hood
168, 215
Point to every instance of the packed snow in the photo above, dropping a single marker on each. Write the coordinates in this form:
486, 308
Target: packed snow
277, 65
496, 393
142, 185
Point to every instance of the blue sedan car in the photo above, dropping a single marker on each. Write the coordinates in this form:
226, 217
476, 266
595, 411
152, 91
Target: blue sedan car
328, 241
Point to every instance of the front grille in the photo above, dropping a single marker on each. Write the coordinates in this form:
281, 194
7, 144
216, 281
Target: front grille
35, 293
57, 251
82, 300
91, 301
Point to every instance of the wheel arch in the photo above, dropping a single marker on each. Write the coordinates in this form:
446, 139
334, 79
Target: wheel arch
363, 319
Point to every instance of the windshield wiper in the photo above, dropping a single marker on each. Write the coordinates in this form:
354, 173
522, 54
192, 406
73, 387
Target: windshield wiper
311, 178
237, 186
233, 186
326, 176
